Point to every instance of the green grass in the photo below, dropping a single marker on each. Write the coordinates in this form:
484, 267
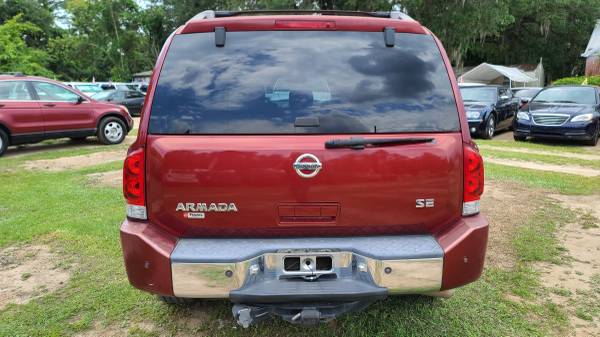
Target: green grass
535, 145
540, 158
82, 223
569, 184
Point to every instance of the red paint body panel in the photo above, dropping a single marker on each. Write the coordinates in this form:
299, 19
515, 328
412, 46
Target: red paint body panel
60, 116
147, 249
39, 117
21, 117
376, 188
464, 244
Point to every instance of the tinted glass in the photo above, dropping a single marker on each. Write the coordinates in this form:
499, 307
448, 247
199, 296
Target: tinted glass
263, 82
54, 93
104, 95
478, 94
581, 95
14, 91
88, 88
526, 93
134, 94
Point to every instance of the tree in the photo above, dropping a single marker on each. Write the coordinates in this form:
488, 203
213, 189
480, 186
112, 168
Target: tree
15, 55
104, 41
555, 30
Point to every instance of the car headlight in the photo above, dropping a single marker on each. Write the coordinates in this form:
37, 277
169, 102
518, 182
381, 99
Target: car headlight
473, 114
582, 118
522, 115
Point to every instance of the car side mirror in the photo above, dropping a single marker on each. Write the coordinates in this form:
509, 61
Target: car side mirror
80, 99
524, 100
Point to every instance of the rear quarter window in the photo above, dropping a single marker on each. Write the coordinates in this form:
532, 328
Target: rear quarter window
266, 82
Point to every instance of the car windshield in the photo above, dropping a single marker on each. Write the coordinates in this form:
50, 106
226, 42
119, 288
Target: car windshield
266, 82
574, 95
478, 94
103, 95
526, 93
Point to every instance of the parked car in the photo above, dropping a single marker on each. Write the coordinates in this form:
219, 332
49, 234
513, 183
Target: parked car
33, 109
89, 89
132, 99
365, 184
119, 86
561, 112
489, 108
525, 94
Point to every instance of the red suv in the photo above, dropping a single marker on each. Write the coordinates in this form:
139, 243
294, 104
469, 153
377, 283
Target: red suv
302, 166
35, 108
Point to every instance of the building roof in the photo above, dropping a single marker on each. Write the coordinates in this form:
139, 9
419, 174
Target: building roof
486, 72
593, 47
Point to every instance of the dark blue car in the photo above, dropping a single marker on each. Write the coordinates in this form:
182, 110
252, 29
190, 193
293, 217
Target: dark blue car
561, 112
489, 108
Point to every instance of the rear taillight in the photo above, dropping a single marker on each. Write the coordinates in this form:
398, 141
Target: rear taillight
134, 186
473, 180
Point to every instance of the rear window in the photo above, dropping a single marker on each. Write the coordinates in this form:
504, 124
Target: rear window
281, 82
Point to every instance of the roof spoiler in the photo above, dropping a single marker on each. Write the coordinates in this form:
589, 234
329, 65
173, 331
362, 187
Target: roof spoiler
396, 13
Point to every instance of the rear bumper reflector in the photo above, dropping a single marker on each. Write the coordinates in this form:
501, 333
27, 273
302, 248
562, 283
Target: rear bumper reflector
471, 208
137, 212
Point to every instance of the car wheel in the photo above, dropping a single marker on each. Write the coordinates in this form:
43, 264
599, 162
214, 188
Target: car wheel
594, 140
490, 128
519, 138
172, 300
112, 131
3, 142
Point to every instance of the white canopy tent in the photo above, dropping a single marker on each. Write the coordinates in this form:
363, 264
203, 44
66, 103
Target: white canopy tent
486, 73
593, 47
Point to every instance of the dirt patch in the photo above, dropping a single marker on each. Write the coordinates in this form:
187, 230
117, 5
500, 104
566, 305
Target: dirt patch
542, 152
28, 272
572, 282
76, 162
570, 169
106, 179
506, 207
589, 203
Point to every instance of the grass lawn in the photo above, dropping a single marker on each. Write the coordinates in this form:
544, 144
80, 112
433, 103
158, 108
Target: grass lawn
81, 224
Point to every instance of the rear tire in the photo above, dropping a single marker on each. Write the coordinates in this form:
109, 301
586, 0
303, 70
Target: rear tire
490, 128
3, 142
594, 140
112, 131
172, 300
519, 138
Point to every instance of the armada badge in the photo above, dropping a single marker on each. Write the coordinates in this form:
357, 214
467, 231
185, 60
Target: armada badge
197, 210
307, 165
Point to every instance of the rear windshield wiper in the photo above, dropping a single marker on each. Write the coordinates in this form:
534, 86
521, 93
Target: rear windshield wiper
361, 143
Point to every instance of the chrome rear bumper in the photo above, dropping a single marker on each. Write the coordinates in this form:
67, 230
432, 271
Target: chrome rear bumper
250, 270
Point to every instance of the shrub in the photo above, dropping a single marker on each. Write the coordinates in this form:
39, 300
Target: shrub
591, 80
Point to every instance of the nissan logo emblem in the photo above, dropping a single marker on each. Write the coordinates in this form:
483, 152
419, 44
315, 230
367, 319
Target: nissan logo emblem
307, 165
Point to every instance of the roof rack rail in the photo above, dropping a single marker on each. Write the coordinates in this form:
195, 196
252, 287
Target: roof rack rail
395, 13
